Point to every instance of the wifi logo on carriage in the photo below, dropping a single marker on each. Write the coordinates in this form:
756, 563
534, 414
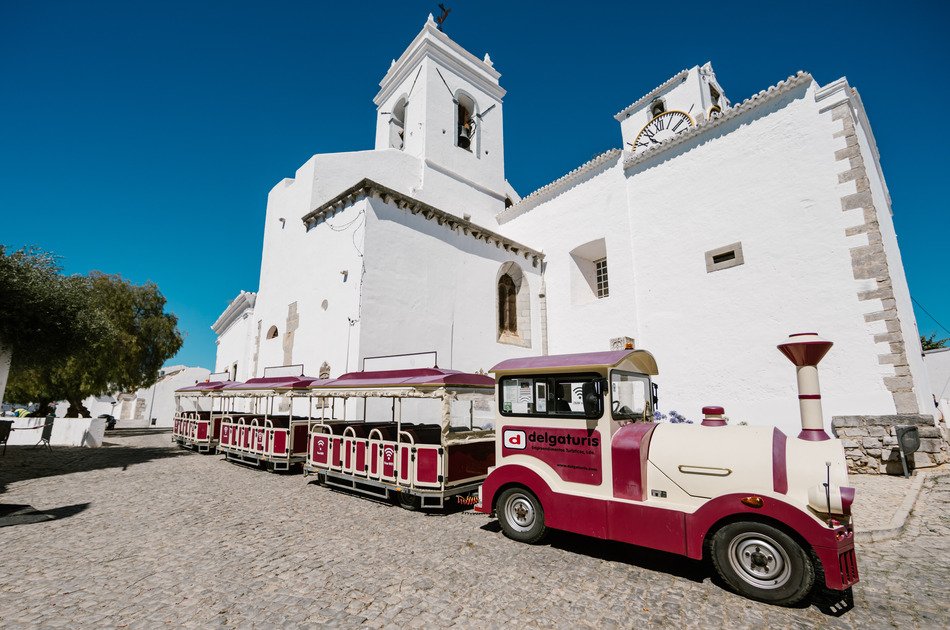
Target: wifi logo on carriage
515, 439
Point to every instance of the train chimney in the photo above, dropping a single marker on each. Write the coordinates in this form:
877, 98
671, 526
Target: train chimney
714, 416
806, 350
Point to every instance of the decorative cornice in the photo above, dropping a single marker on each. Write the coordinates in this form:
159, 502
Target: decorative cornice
434, 43
243, 302
549, 191
368, 188
763, 97
679, 77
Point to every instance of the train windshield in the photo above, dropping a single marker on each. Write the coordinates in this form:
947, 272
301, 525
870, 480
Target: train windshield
630, 395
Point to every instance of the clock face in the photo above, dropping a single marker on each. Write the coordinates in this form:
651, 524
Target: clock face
662, 128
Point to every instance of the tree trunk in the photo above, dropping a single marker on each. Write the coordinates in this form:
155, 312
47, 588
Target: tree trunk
41, 409
77, 410
6, 355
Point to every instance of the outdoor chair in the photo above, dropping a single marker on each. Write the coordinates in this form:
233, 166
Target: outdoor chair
47, 433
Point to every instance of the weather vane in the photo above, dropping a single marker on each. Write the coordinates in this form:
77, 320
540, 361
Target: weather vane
441, 19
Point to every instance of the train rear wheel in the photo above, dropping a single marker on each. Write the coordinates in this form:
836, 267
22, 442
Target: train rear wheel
408, 501
521, 516
763, 563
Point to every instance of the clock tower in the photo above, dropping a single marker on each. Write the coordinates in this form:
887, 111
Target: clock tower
685, 100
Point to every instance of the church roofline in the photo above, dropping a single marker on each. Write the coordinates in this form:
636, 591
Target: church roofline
753, 102
243, 302
549, 191
679, 77
434, 43
369, 188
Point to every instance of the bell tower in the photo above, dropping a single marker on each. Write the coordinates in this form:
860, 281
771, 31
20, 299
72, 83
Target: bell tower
443, 105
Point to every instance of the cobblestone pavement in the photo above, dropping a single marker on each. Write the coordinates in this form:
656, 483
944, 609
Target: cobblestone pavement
150, 536
877, 499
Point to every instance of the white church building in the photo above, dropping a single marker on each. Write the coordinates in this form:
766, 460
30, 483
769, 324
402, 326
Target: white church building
708, 235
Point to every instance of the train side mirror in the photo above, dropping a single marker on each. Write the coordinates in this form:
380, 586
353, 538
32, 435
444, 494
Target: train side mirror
656, 395
593, 394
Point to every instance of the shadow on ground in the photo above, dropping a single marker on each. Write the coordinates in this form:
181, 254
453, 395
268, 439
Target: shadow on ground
25, 514
832, 603
26, 462
138, 432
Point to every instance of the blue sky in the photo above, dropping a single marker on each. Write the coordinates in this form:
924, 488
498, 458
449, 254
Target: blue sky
141, 138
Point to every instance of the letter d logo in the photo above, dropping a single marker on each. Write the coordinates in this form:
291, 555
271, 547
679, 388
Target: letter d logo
514, 439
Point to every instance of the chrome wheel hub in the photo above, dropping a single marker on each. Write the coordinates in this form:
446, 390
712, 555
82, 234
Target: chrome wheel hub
759, 560
520, 513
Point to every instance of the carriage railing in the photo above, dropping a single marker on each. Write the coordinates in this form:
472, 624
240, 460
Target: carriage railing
260, 437
189, 426
398, 460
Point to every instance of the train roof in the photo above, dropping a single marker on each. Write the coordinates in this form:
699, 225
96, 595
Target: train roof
421, 378
275, 383
641, 360
205, 386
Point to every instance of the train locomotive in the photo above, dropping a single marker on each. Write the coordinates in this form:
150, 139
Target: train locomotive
576, 451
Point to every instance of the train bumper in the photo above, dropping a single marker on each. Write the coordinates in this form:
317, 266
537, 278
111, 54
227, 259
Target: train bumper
838, 560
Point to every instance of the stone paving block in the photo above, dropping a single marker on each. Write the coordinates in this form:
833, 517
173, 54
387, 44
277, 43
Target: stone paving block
177, 540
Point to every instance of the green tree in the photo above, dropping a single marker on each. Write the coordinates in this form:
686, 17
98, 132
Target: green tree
932, 343
109, 335
43, 312
44, 315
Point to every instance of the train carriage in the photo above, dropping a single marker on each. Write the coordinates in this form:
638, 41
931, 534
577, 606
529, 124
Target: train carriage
272, 431
199, 410
421, 436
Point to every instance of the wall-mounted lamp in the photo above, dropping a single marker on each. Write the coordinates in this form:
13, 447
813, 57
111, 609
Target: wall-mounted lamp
346, 274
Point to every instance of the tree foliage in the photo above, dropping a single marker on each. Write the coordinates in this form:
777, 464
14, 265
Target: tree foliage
932, 343
42, 311
80, 336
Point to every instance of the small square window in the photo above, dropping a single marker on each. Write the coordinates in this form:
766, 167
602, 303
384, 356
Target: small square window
724, 257
600, 274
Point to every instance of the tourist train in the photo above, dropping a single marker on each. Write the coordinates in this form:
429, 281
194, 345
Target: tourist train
565, 442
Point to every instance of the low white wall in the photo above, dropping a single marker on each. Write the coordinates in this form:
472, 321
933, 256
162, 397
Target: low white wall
66, 431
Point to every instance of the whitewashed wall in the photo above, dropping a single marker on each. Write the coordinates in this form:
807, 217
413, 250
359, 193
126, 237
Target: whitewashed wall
938, 369
305, 267
769, 181
430, 288
66, 431
235, 344
595, 208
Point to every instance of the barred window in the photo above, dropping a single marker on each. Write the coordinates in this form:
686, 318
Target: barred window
600, 271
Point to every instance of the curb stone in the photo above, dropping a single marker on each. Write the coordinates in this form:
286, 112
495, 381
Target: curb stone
899, 521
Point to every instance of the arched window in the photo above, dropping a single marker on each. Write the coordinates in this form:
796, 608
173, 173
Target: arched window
397, 125
507, 305
272, 332
465, 131
513, 309
657, 107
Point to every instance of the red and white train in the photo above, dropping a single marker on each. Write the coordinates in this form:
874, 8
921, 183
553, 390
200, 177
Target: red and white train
568, 442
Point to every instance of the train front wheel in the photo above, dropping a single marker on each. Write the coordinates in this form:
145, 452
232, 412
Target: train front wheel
521, 516
762, 563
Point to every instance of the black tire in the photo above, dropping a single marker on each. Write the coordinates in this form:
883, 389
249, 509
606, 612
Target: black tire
762, 563
408, 501
521, 516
